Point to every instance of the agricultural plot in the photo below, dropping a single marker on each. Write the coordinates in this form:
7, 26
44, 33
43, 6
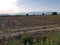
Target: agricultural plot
12, 29
28, 23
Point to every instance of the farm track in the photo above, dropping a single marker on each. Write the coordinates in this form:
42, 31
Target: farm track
15, 32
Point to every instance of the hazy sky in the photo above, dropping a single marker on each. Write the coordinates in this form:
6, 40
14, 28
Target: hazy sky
14, 6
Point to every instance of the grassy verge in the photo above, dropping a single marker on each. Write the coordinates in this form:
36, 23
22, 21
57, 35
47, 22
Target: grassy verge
51, 38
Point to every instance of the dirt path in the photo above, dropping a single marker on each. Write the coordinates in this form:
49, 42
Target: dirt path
15, 32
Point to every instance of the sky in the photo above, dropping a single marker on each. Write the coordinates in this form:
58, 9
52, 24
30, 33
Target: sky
17, 6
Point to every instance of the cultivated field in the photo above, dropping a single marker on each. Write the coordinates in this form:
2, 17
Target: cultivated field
28, 23
14, 27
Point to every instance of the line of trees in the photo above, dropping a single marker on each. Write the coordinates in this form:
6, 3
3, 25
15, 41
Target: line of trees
53, 13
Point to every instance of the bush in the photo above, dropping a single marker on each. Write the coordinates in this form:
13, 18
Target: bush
26, 39
54, 13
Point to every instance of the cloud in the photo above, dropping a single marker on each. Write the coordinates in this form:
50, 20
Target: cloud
8, 6
16, 6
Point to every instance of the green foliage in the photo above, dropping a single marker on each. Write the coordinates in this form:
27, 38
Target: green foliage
26, 38
51, 38
11, 43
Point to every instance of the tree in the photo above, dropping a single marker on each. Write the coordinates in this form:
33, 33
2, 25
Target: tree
27, 14
43, 14
33, 15
54, 13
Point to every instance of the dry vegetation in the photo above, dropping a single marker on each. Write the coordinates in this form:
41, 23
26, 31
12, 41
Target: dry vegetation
13, 27
28, 21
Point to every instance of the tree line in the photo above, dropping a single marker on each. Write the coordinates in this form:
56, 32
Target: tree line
53, 13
